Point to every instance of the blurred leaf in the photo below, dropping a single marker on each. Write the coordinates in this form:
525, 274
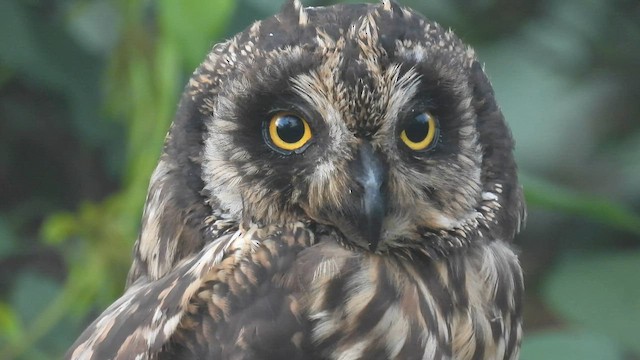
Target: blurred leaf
17, 41
31, 294
554, 197
5, 75
193, 25
599, 291
565, 345
6, 237
43, 53
11, 327
268, 8
624, 155
105, 230
45, 304
541, 133
58, 228
94, 24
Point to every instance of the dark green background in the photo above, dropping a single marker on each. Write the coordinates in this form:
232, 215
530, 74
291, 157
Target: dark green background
88, 89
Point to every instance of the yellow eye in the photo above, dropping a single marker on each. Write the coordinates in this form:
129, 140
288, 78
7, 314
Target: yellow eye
421, 132
288, 132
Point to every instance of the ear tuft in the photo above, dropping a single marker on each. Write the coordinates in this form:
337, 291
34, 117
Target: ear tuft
293, 11
392, 7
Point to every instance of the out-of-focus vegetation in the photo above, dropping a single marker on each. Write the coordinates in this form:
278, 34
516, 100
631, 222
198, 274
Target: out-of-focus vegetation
88, 89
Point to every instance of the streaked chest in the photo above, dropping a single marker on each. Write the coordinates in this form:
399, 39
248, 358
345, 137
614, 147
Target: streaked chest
374, 306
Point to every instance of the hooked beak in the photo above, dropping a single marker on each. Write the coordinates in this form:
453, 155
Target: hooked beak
371, 175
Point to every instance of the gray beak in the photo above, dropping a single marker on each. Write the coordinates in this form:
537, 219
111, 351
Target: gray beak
371, 175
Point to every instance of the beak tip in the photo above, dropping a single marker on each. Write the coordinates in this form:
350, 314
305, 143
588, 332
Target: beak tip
373, 237
373, 246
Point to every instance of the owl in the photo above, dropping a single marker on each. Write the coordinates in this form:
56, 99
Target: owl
338, 183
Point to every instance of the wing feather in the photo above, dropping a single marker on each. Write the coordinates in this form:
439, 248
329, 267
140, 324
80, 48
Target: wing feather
140, 322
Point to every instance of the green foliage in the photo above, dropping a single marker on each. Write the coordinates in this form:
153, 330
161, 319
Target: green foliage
189, 26
145, 75
599, 291
552, 197
31, 301
105, 77
566, 345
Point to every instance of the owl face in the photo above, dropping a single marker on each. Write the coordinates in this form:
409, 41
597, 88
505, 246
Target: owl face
366, 118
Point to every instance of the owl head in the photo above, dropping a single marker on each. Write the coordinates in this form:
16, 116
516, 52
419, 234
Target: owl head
366, 119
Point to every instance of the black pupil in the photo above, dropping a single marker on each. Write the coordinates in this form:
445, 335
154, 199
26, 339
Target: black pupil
290, 128
418, 129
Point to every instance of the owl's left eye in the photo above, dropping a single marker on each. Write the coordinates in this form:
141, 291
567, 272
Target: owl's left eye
288, 132
421, 132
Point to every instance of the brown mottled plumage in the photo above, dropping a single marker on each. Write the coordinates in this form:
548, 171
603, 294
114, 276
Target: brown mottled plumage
357, 244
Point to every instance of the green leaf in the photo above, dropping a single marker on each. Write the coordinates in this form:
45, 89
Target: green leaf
42, 305
32, 293
31, 298
194, 25
565, 345
545, 194
94, 24
600, 292
58, 227
12, 329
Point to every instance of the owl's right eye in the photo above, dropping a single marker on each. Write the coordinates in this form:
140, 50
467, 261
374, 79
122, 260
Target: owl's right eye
287, 132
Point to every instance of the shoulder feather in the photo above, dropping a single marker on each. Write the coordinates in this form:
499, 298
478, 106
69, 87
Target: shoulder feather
139, 323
